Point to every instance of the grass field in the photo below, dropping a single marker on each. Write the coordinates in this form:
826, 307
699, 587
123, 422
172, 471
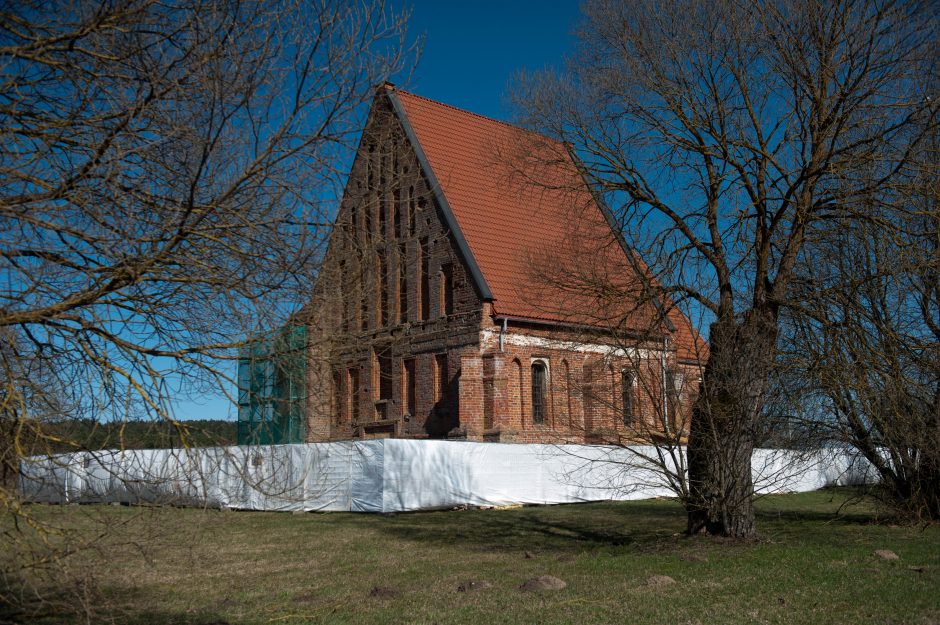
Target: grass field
812, 565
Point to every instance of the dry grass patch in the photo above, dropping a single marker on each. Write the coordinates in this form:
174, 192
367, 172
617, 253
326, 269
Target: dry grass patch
196, 567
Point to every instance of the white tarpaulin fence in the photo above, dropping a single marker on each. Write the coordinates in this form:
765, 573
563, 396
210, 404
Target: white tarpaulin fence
392, 475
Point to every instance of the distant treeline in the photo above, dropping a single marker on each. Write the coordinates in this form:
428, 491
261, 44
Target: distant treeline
86, 434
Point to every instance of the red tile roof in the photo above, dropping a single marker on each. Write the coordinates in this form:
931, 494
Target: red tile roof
538, 235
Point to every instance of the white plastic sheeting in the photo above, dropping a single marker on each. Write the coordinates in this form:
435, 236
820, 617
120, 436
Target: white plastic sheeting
393, 475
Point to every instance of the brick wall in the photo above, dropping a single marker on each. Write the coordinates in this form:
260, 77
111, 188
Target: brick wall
364, 327
584, 398
390, 234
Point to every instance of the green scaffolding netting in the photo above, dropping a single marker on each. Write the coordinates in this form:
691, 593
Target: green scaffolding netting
272, 388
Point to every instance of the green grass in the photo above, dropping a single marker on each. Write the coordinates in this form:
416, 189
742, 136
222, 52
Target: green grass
812, 565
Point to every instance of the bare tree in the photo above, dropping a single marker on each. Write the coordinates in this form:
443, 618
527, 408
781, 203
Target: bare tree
168, 173
724, 135
867, 342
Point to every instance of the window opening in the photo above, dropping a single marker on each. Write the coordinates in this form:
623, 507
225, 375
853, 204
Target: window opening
539, 387
627, 379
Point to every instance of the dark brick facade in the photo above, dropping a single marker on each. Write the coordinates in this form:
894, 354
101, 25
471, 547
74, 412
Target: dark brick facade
404, 344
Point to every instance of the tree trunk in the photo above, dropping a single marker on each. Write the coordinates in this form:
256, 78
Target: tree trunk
723, 428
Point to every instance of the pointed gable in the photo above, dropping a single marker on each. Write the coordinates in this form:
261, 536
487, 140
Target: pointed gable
525, 230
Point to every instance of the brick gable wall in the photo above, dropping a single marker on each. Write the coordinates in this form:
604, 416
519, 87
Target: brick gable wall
367, 333
389, 225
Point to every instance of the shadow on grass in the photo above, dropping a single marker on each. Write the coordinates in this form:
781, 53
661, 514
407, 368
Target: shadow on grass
565, 528
833, 506
110, 604
649, 525
809, 516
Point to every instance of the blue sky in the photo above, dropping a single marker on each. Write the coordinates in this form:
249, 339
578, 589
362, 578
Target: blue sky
471, 52
472, 49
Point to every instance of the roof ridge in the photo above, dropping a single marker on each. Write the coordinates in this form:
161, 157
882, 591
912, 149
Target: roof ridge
392, 87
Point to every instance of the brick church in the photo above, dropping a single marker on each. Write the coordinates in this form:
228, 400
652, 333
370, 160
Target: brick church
474, 288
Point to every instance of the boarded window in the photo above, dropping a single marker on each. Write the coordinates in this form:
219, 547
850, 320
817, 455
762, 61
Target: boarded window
539, 391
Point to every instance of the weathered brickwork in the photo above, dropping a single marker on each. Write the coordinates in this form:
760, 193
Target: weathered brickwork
394, 306
584, 396
403, 344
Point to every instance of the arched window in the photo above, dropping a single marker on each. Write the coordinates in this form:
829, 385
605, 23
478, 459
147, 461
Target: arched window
539, 389
627, 379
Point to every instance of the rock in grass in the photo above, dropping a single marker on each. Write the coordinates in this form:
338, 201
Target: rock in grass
886, 554
542, 583
660, 580
474, 585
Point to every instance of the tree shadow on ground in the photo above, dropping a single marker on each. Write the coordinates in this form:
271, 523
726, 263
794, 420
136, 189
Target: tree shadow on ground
573, 527
127, 605
650, 525
844, 506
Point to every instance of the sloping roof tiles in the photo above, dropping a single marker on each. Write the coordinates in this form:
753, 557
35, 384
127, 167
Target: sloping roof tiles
538, 235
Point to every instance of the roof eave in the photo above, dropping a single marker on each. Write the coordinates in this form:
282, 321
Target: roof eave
570, 325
